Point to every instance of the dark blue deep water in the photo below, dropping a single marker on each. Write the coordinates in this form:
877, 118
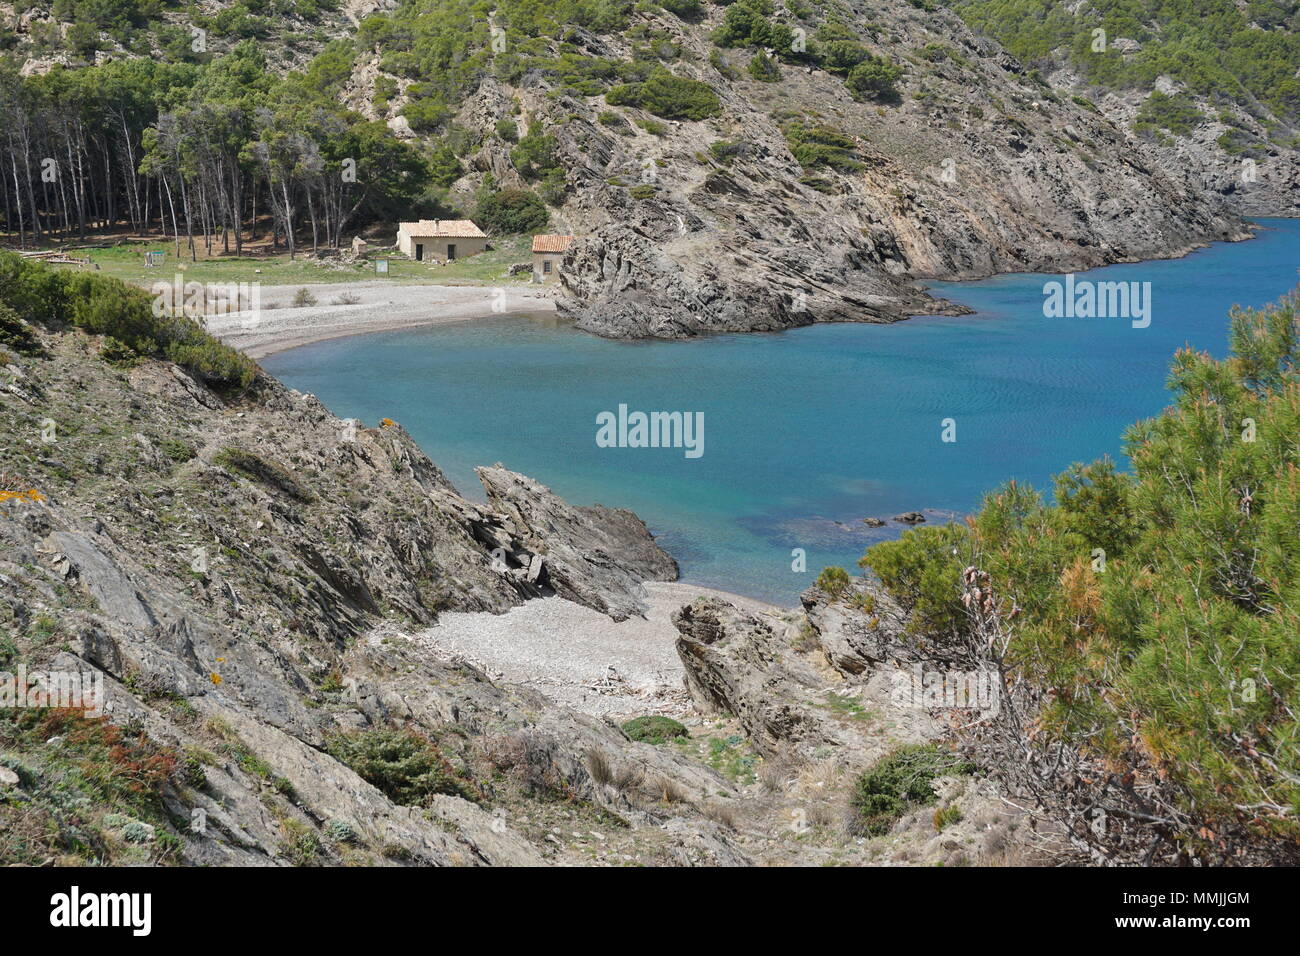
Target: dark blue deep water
808, 431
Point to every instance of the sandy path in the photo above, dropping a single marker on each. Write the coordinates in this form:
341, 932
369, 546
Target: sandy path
277, 326
566, 651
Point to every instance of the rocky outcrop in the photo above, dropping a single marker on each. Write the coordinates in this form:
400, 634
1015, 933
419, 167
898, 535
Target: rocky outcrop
750, 665
594, 556
1258, 176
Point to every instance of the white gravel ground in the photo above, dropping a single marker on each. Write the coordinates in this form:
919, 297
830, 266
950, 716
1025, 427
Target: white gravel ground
579, 657
277, 326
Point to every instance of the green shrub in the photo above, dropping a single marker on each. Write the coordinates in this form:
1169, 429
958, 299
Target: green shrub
512, 211
833, 581
642, 191
900, 781
921, 572
686, 9
875, 79
444, 167
763, 68
177, 450
818, 144
746, 24
840, 56
406, 766
534, 157
654, 729
17, 334
340, 831
118, 353
668, 96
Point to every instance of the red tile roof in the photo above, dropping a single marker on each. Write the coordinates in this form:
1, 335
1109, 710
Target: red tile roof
443, 229
552, 243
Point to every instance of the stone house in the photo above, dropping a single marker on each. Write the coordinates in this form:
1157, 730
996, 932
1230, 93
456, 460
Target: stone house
440, 239
548, 253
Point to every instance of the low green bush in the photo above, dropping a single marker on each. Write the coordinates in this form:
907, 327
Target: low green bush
101, 305
510, 212
118, 353
177, 450
654, 729
875, 79
686, 9
819, 144
406, 766
16, 334
763, 68
898, 782
834, 581
668, 96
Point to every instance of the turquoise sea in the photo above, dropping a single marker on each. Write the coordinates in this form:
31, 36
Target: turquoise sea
806, 432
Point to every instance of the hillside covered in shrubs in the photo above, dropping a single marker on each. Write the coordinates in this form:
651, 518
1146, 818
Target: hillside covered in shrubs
32, 293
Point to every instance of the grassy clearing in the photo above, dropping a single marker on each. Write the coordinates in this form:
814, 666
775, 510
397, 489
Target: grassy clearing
126, 262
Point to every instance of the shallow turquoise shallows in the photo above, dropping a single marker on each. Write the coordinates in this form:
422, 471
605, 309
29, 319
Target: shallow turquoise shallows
805, 432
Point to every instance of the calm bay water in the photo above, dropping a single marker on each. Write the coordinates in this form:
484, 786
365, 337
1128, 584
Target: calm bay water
808, 431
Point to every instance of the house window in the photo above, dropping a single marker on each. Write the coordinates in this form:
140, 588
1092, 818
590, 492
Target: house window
546, 266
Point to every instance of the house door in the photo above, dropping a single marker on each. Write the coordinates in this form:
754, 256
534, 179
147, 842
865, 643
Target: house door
451, 251
419, 252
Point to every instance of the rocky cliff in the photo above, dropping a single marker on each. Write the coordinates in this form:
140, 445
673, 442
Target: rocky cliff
714, 225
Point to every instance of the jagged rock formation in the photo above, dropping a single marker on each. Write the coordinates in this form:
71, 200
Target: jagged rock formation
740, 664
1264, 183
593, 556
